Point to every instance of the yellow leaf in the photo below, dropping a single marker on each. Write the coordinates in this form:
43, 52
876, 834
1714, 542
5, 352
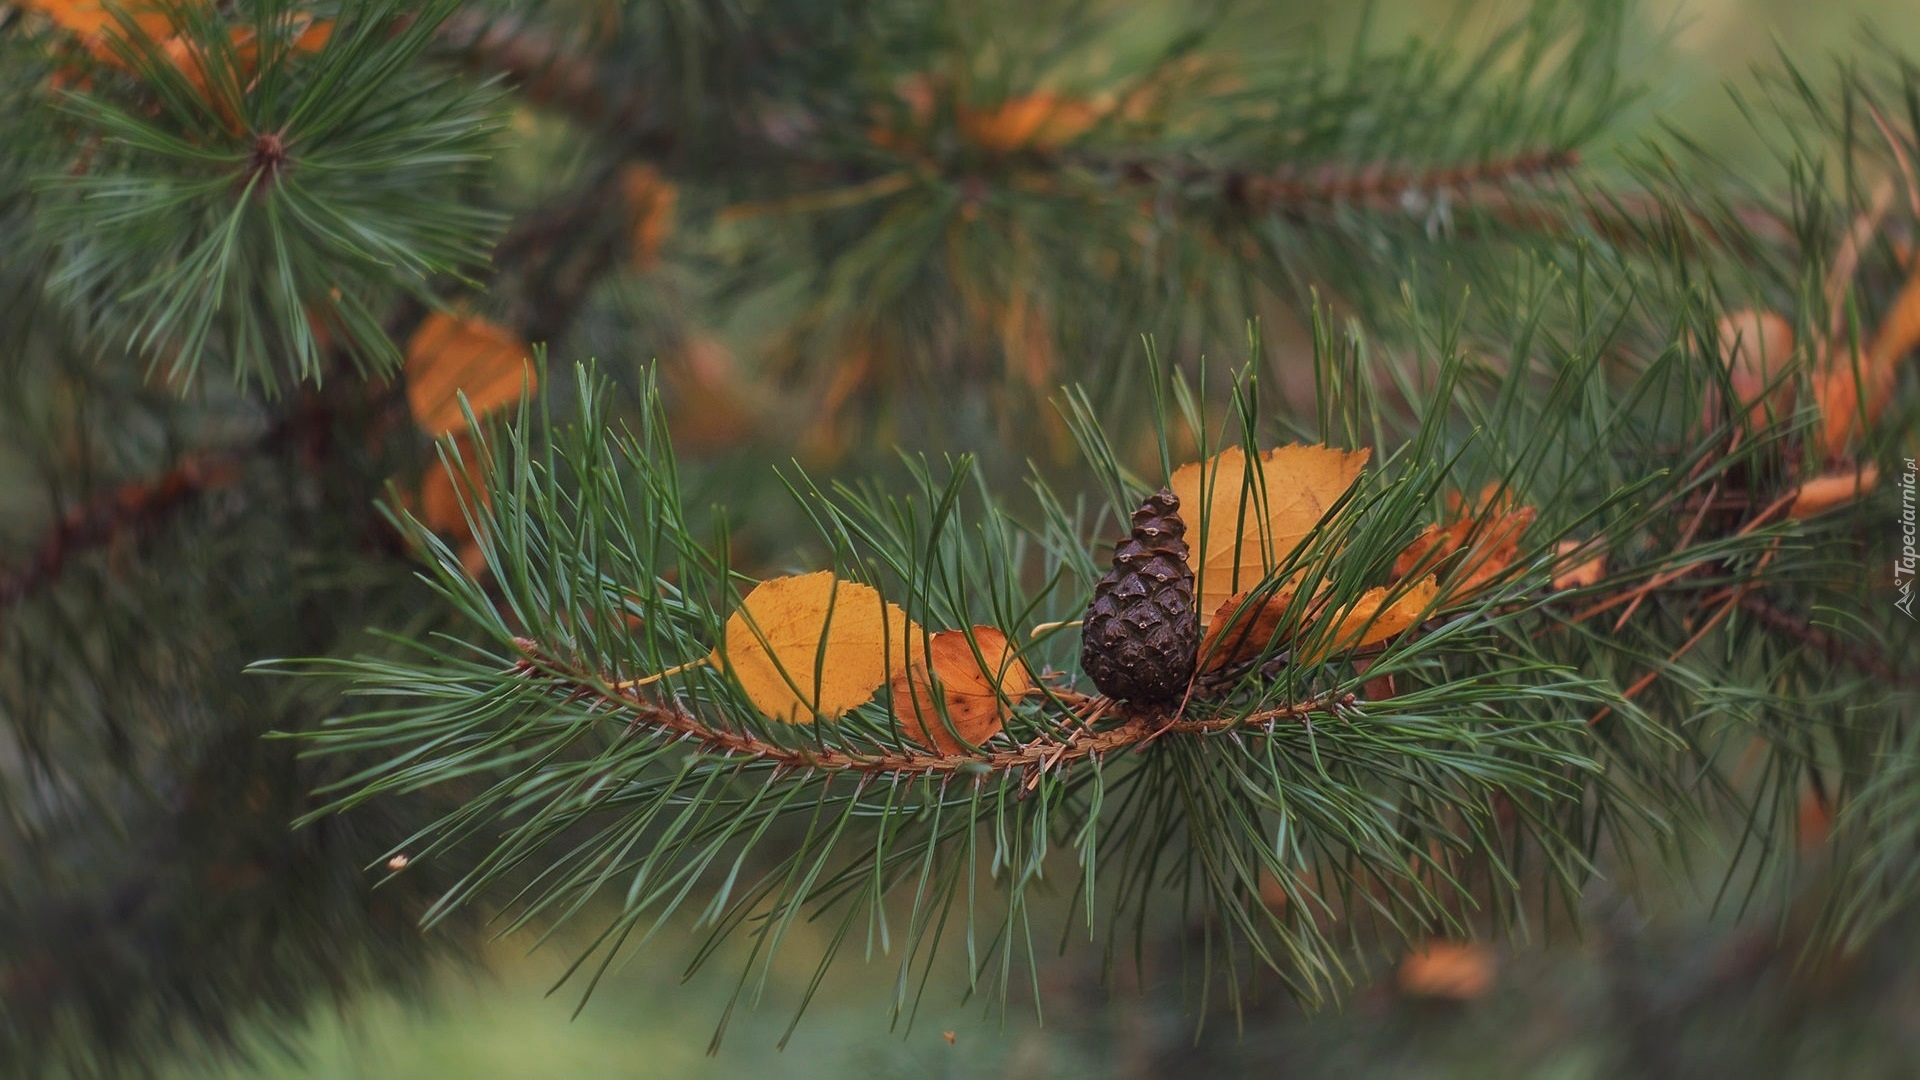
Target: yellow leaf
449, 355
814, 645
979, 691
1253, 519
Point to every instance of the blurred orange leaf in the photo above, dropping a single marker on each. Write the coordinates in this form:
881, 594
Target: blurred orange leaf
712, 404
649, 198
92, 22
450, 355
1755, 347
1815, 821
979, 691
813, 644
1453, 970
443, 495
1572, 571
1824, 493
1256, 513
1036, 121
1850, 399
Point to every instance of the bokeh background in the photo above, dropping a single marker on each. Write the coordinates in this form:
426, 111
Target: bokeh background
1679, 988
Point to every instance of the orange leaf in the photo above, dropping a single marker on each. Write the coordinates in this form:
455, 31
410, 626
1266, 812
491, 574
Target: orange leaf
1371, 619
650, 200
1254, 517
450, 355
1492, 553
91, 21
1432, 546
1570, 571
814, 645
1824, 493
978, 691
1489, 531
1229, 640
1755, 347
1848, 398
1453, 970
441, 500
1038, 121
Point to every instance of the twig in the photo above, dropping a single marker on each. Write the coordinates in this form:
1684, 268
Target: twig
1836, 650
1042, 753
1379, 183
1343, 182
108, 516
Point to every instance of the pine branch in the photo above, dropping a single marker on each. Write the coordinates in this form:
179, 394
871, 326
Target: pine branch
1854, 654
134, 506
1036, 756
1381, 185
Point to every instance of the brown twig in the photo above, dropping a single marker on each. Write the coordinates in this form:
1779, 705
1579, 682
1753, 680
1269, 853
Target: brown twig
1840, 652
1345, 182
1378, 183
102, 520
1035, 757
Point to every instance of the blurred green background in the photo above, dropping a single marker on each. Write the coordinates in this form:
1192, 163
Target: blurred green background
1678, 992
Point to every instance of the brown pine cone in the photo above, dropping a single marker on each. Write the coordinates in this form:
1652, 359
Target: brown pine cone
1141, 636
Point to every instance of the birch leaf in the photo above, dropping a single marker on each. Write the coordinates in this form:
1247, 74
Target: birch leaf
1253, 518
814, 645
450, 355
978, 691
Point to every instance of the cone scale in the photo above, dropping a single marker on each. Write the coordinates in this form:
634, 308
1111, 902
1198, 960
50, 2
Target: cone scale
1141, 635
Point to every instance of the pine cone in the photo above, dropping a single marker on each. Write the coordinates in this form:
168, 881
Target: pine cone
1141, 636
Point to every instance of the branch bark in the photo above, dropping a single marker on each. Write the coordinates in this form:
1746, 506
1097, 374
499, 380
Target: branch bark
106, 517
1035, 757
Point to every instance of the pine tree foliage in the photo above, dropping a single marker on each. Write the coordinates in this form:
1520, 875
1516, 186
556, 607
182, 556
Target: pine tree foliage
840, 225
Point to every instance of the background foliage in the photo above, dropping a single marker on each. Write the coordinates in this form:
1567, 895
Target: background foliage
834, 246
